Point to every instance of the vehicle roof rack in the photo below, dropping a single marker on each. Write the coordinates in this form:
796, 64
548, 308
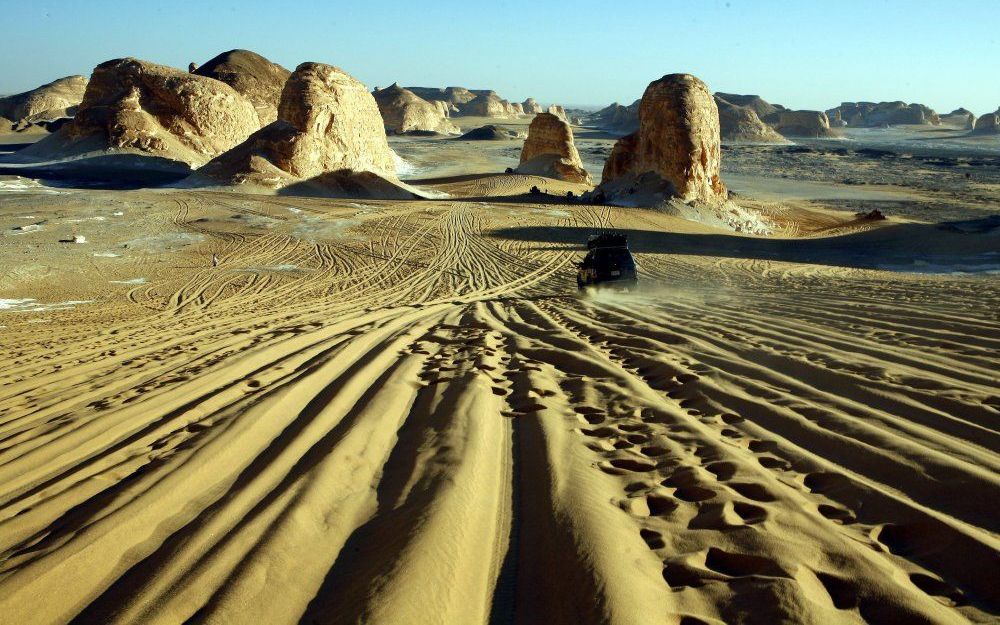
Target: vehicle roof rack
607, 239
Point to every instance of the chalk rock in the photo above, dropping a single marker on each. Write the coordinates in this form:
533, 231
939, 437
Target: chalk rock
549, 151
254, 77
403, 112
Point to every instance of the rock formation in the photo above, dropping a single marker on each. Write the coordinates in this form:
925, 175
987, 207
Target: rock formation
803, 124
549, 151
618, 117
740, 123
558, 111
676, 150
192, 67
988, 124
970, 122
531, 107
870, 114
59, 98
251, 75
139, 107
404, 111
490, 133
517, 108
755, 103
487, 104
453, 96
328, 139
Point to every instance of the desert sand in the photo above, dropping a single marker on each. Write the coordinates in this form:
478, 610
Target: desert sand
404, 411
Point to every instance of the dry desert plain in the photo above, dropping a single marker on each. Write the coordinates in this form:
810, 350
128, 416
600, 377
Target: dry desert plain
404, 412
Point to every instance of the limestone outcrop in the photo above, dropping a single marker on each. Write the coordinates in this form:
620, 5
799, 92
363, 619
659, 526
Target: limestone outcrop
676, 151
405, 112
531, 107
558, 111
59, 98
549, 151
617, 117
251, 75
741, 124
988, 124
133, 106
873, 114
453, 96
487, 104
757, 104
803, 124
328, 139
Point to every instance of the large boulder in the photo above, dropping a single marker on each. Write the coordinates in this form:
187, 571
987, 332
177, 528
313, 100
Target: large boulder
741, 124
988, 124
676, 150
329, 137
59, 98
404, 112
137, 107
254, 77
531, 107
803, 124
549, 151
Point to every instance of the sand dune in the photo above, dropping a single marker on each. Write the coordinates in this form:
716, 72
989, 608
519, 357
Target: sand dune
404, 412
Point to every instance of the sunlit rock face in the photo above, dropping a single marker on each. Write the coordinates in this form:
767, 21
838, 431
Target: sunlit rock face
677, 145
139, 106
549, 151
327, 122
403, 111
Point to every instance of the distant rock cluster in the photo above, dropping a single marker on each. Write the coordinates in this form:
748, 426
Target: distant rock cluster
476, 103
404, 112
873, 114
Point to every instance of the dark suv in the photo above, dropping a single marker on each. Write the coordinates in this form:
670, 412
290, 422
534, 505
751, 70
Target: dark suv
608, 261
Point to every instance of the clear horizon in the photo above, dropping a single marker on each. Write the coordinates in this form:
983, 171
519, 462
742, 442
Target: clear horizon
801, 55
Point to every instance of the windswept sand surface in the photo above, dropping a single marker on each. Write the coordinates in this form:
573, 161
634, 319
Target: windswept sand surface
405, 413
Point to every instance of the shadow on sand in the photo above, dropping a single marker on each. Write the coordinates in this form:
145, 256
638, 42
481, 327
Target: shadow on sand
965, 245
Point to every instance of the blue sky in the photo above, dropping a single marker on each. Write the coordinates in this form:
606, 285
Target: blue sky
801, 54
